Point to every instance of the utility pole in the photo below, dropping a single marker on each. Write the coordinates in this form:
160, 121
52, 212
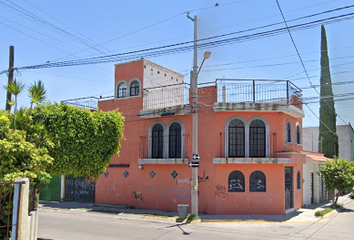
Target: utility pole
194, 87
194, 83
10, 77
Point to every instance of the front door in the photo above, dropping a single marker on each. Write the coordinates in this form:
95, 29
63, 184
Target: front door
289, 190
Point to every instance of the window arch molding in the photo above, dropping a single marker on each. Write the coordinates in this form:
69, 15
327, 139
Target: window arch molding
116, 93
226, 140
258, 181
298, 133
130, 85
267, 137
236, 181
182, 135
288, 131
152, 125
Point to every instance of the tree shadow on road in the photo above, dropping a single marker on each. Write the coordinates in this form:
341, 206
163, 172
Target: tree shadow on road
179, 226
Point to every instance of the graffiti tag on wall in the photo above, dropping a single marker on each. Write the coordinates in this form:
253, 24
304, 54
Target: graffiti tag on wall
138, 196
204, 178
246, 202
220, 191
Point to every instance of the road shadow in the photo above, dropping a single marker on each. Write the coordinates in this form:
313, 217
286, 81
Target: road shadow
345, 210
66, 205
179, 225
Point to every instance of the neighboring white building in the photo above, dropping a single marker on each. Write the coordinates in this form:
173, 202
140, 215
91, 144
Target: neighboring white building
314, 189
345, 137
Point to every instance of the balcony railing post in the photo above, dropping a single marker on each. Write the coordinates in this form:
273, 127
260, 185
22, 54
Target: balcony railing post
287, 91
254, 91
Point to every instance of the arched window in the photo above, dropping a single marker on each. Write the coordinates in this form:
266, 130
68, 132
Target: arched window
298, 180
236, 138
298, 134
175, 141
236, 182
134, 88
288, 131
122, 90
257, 182
257, 142
157, 141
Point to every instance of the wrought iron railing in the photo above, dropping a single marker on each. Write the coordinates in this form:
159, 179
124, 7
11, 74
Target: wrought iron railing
146, 142
6, 209
165, 96
84, 102
256, 91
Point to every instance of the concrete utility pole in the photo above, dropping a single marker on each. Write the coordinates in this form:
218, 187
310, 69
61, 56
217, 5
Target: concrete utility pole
194, 83
194, 86
10, 77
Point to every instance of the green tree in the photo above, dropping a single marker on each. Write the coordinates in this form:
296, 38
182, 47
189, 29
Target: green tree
84, 141
37, 93
328, 139
19, 158
15, 87
338, 174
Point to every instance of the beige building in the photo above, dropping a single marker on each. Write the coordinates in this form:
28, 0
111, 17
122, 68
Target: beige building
345, 137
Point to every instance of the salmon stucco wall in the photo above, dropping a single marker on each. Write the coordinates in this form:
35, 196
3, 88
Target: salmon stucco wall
165, 184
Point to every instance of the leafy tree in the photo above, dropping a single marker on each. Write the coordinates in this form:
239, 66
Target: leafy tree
37, 93
18, 158
54, 139
338, 174
328, 139
84, 141
15, 88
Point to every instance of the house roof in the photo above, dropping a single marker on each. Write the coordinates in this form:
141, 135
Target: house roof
317, 157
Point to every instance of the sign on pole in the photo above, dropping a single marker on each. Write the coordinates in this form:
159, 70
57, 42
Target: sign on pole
196, 157
193, 164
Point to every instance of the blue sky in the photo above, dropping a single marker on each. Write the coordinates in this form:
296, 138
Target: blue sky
68, 30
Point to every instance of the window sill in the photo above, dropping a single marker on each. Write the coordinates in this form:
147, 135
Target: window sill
163, 161
251, 160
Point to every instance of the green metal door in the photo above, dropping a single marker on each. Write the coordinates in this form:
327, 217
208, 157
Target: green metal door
52, 191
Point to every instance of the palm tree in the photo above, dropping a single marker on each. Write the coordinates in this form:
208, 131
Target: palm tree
15, 88
37, 93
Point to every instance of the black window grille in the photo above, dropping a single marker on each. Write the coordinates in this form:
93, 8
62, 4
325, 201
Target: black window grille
257, 182
298, 134
236, 182
122, 90
134, 88
257, 139
298, 180
175, 141
288, 132
157, 141
236, 138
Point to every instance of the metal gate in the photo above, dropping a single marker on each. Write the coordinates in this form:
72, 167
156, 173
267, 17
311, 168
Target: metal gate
312, 201
52, 191
323, 193
6, 209
77, 190
289, 189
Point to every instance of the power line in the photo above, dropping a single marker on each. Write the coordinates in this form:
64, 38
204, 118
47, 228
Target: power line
30, 16
303, 65
66, 25
187, 46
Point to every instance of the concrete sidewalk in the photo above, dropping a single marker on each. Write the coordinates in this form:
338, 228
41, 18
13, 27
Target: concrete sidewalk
300, 216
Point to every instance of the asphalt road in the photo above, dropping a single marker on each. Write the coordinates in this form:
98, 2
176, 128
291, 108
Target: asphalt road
79, 224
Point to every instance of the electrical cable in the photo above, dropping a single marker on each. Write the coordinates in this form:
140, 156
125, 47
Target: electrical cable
177, 48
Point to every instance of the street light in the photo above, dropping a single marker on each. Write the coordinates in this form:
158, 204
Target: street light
194, 87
